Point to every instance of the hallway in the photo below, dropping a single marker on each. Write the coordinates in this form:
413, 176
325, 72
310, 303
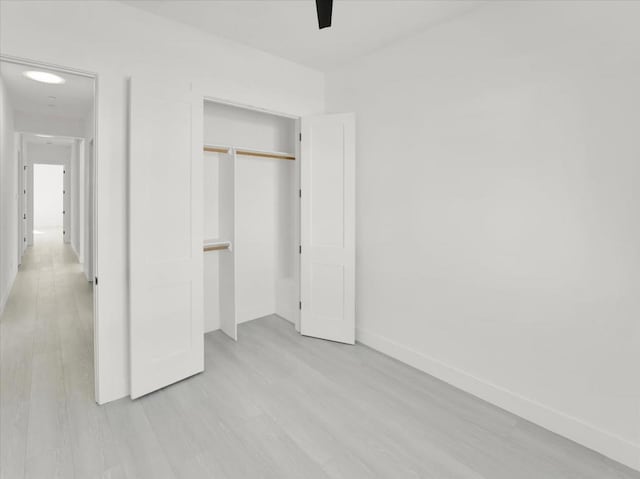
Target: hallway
46, 335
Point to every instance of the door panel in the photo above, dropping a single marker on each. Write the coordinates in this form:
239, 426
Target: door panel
327, 185
166, 235
327, 172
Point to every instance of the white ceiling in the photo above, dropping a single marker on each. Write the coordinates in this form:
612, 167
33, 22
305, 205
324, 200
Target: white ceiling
289, 29
73, 99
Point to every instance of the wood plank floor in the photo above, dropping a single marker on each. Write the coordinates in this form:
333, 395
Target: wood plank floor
274, 405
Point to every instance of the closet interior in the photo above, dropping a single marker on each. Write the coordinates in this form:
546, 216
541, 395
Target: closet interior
252, 218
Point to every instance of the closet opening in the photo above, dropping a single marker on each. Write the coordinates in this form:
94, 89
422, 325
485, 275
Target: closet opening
48, 229
263, 213
251, 252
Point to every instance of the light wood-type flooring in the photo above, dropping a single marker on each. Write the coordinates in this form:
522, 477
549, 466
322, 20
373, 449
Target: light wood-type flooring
273, 405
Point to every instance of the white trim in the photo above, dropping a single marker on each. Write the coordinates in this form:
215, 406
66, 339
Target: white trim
63, 137
246, 106
610, 445
48, 66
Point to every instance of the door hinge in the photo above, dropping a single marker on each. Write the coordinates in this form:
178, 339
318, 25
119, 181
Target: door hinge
300, 136
24, 216
24, 240
300, 305
25, 167
299, 193
95, 280
300, 249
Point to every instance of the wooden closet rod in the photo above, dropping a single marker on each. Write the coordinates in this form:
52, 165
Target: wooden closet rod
216, 149
278, 156
215, 247
245, 152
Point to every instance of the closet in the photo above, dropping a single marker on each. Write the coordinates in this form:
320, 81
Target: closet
235, 213
251, 216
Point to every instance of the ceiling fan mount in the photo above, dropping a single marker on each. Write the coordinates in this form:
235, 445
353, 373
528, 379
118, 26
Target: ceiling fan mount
324, 9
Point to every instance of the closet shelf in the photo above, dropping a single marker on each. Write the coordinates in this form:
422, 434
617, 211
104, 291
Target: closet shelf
278, 155
216, 246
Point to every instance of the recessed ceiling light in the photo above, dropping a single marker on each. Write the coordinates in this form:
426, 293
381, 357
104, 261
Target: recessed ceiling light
44, 77
44, 136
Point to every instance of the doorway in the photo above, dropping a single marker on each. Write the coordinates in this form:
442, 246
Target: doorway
52, 112
48, 201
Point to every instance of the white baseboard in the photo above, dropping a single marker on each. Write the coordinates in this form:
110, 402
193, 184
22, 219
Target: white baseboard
610, 445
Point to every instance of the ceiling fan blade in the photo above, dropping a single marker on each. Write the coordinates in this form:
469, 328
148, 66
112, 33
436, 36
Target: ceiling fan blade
324, 8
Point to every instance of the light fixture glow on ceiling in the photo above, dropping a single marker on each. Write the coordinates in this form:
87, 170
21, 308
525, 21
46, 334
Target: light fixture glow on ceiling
44, 136
44, 77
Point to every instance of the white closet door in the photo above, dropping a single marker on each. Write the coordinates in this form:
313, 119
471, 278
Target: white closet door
166, 234
327, 171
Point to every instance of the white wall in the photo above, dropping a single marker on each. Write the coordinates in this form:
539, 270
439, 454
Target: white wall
498, 215
48, 154
50, 32
8, 198
47, 198
259, 233
47, 124
265, 244
243, 128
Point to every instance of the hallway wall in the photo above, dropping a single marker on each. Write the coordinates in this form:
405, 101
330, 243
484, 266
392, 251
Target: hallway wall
47, 124
8, 197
